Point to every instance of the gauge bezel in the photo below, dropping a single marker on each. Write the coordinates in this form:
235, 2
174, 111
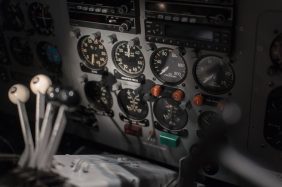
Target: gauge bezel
271, 46
203, 114
16, 57
6, 5
90, 100
129, 115
203, 87
158, 77
87, 64
165, 125
47, 30
119, 68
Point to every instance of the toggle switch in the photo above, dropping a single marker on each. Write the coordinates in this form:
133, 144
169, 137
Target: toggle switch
169, 140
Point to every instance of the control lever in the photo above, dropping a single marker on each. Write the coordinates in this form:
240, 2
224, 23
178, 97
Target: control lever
39, 85
52, 97
19, 95
69, 99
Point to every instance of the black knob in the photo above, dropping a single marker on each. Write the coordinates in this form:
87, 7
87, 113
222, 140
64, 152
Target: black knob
123, 9
53, 93
69, 97
125, 26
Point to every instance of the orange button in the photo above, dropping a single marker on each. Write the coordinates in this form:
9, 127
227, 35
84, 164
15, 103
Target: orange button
178, 95
198, 100
156, 90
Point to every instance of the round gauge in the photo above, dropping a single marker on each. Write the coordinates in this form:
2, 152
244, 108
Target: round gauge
276, 50
41, 18
273, 119
168, 66
99, 95
214, 75
21, 51
92, 52
170, 115
49, 55
14, 17
132, 104
128, 59
208, 119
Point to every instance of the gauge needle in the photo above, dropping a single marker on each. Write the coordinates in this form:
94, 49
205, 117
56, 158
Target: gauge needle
43, 17
92, 59
128, 50
164, 70
208, 78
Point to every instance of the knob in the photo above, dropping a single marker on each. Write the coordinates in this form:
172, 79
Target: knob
198, 100
178, 95
123, 9
112, 38
40, 84
134, 42
97, 35
19, 93
125, 26
156, 90
69, 97
75, 33
53, 93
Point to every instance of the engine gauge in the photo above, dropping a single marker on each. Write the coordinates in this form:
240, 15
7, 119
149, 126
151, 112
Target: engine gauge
170, 115
41, 18
99, 95
13, 15
276, 50
214, 75
128, 59
132, 104
49, 55
92, 52
21, 51
208, 119
168, 66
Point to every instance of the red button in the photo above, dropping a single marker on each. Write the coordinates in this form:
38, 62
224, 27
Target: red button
156, 90
178, 95
198, 100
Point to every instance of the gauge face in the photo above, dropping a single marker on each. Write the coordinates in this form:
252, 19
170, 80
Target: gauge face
99, 95
128, 59
214, 75
49, 55
41, 18
208, 119
92, 52
132, 104
14, 17
273, 119
168, 66
170, 115
21, 51
276, 50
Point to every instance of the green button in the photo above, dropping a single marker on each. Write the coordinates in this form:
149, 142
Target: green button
169, 140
